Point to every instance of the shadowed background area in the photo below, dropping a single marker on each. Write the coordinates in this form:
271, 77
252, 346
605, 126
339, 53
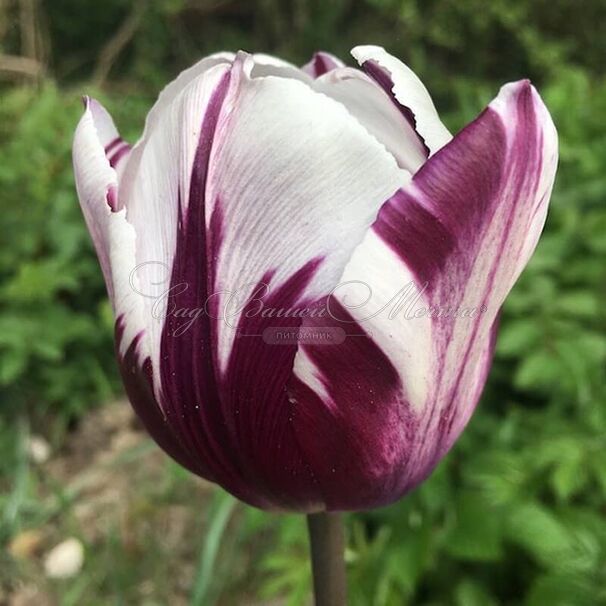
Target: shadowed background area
91, 512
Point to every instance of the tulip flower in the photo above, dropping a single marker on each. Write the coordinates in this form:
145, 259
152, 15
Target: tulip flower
265, 202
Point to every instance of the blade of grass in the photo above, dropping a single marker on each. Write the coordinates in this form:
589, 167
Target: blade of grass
220, 512
20, 478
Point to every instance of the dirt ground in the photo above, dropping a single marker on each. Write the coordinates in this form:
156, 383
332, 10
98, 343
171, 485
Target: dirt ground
139, 521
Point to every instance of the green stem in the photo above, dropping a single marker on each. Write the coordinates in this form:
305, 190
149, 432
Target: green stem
327, 547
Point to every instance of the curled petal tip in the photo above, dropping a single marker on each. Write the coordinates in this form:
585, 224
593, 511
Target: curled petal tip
364, 51
85, 101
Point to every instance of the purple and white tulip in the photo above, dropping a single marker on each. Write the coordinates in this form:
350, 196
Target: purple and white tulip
323, 200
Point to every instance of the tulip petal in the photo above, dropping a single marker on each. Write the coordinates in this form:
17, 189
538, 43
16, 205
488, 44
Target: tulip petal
407, 92
97, 182
116, 149
420, 298
322, 63
95, 144
376, 112
266, 65
154, 188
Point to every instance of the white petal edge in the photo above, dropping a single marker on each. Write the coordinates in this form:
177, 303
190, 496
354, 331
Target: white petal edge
95, 178
411, 93
375, 111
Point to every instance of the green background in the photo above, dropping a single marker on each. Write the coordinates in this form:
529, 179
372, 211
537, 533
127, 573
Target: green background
516, 514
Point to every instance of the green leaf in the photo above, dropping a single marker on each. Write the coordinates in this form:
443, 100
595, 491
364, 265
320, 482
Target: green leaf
561, 590
12, 364
539, 531
569, 477
579, 303
477, 530
471, 593
540, 370
518, 337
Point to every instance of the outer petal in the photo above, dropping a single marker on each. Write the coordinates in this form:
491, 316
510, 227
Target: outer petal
96, 148
155, 189
322, 63
242, 182
454, 241
114, 239
407, 91
96, 143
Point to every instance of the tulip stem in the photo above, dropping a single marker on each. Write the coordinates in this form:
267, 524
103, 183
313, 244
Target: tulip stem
327, 545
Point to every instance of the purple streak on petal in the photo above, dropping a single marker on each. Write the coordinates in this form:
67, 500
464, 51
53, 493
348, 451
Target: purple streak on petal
445, 236
522, 183
187, 368
236, 421
383, 79
256, 402
137, 379
414, 234
112, 198
165, 430
118, 154
360, 441
215, 236
186, 381
320, 64
465, 185
114, 143
449, 416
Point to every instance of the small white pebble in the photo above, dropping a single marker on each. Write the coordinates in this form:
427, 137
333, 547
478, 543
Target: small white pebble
64, 560
39, 449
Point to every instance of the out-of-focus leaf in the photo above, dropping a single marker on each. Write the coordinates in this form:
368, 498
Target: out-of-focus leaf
539, 531
519, 337
472, 593
477, 529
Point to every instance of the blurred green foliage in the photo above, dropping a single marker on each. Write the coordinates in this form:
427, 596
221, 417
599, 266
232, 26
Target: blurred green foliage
516, 513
